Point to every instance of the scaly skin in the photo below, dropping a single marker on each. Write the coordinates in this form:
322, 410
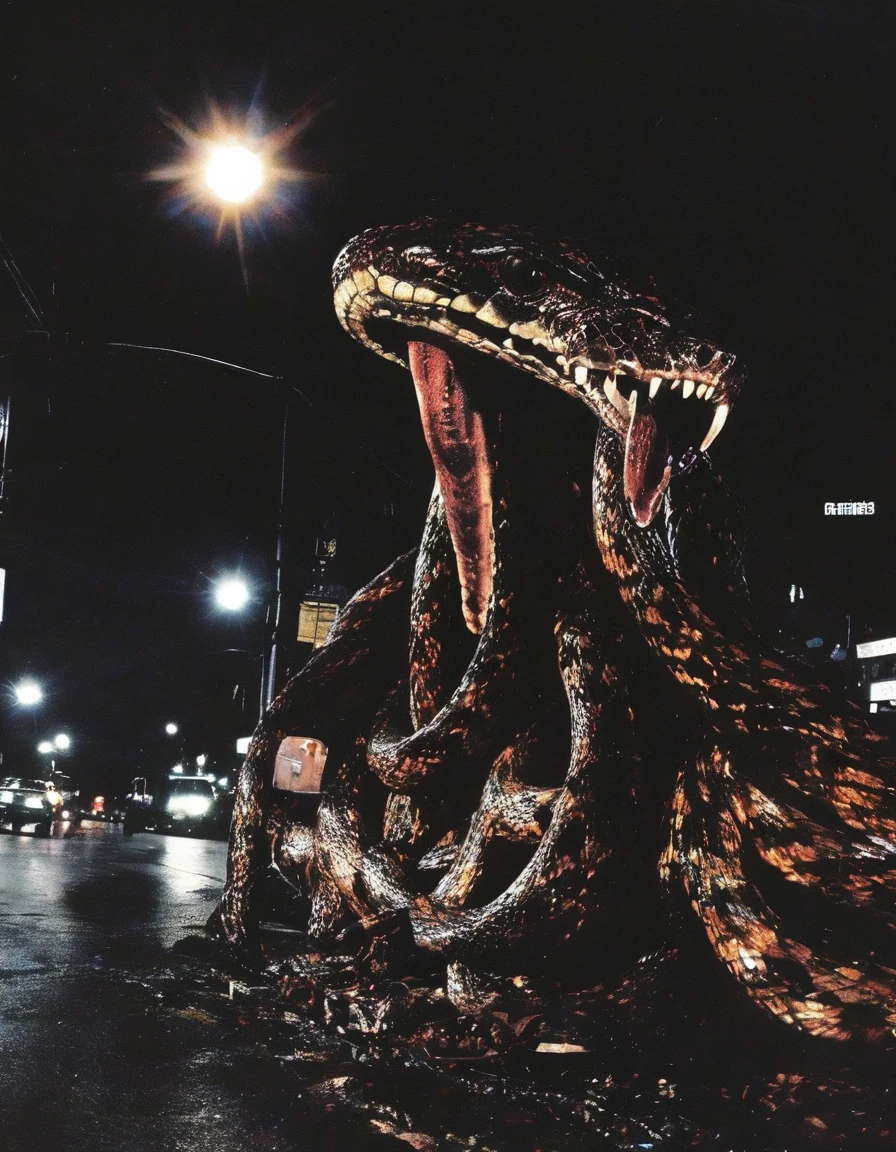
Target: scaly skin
569, 658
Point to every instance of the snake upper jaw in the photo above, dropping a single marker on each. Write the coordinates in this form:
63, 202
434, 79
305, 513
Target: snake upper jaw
429, 297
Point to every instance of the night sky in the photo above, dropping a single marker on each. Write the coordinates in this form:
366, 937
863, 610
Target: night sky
741, 151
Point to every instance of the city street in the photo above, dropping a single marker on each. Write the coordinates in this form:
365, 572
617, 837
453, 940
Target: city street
97, 1048
448, 449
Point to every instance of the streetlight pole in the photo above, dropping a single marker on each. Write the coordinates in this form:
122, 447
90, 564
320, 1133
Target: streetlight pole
232, 593
272, 639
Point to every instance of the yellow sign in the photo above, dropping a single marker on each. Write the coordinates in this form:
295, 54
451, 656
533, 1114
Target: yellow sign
315, 620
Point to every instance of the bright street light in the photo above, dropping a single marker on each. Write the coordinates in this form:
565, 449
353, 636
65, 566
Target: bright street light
46, 746
171, 729
231, 593
28, 693
234, 173
200, 760
62, 741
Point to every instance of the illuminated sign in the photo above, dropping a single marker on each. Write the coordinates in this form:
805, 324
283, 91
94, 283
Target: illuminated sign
850, 508
315, 620
882, 690
876, 648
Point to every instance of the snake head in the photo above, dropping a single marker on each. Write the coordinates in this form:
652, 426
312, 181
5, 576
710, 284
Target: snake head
436, 298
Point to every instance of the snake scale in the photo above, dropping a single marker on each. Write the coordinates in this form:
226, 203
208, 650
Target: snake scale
560, 710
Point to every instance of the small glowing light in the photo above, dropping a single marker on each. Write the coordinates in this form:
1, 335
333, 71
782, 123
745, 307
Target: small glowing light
234, 173
171, 729
28, 693
178, 768
62, 741
231, 594
210, 776
200, 760
46, 746
223, 782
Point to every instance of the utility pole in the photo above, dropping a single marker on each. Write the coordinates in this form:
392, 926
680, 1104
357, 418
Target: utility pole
273, 636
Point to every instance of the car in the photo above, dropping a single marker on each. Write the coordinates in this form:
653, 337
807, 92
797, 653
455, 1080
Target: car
189, 804
30, 802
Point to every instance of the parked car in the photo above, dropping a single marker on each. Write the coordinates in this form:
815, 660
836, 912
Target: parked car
30, 802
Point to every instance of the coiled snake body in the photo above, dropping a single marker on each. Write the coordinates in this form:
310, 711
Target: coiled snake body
584, 711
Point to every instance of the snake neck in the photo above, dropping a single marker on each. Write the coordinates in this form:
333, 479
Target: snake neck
704, 632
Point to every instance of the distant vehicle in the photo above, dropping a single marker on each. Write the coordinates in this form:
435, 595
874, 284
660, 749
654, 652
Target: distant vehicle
30, 802
189, 804
110, 808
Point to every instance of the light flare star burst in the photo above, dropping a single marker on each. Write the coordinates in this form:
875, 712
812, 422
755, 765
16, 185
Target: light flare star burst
233, 169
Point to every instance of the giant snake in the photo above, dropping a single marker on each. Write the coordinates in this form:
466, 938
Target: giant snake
561, 705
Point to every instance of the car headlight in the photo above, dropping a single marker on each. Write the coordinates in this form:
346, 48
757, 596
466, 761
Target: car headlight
33, 802
189, 805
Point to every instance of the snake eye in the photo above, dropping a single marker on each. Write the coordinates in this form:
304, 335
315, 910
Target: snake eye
522, 277
703, 355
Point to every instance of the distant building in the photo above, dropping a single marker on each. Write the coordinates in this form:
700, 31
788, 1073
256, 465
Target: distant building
876, 666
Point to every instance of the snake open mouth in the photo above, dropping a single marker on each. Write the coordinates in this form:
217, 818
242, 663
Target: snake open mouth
550, 314
658, 444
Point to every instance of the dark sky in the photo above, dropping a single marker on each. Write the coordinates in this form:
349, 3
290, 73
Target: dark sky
743, 152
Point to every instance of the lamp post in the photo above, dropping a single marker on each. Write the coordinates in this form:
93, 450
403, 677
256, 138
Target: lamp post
232, 594
60, 743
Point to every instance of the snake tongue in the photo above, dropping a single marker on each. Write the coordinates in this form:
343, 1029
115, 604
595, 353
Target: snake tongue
647, 471
456, 438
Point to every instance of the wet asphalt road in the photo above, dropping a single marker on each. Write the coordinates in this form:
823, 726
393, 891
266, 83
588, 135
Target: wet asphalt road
120, 1029
94, 1054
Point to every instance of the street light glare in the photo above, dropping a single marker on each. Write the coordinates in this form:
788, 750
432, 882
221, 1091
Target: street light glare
171, 729
46, 746
29, 693
234, 173
231, 594
62, 741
